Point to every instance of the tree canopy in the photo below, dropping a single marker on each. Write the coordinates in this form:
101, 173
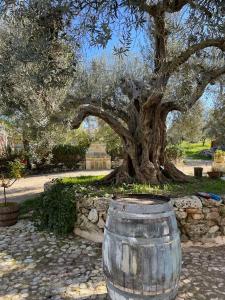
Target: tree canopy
186, 46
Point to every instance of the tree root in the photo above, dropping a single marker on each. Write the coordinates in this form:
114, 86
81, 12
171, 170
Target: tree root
169, 174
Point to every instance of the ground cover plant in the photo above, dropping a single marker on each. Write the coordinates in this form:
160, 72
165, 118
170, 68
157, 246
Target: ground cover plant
55, 210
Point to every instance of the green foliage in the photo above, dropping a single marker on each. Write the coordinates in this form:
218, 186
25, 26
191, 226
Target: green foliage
216, 124
188, 126
16, 169
9, 157
114, 146
29, 205
56, 210
220, 153
86, 186
193, 150
174, 152
69, 155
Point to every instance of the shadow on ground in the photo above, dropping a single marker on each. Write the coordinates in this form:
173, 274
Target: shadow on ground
39, 266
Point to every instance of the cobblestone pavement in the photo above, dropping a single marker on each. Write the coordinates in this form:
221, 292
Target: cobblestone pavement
36, 265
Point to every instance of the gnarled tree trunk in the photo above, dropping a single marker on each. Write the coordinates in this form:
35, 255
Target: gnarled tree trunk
144, 138
145, 160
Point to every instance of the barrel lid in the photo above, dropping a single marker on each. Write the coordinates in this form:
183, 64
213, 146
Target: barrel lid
144, 203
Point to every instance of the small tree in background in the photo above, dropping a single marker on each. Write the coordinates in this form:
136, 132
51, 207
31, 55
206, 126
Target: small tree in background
15, 172
216, 124
187, 126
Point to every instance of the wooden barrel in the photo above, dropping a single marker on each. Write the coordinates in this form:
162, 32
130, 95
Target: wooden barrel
9, 214
141, 249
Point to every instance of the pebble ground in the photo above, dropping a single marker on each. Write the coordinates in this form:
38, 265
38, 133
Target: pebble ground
39, 266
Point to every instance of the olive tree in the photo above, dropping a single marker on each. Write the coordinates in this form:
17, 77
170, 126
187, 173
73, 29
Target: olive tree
187, 39
136, 106
37, 62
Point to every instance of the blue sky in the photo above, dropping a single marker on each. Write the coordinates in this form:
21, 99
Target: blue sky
89, 53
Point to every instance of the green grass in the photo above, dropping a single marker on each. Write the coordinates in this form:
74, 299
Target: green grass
84, 180
86, 186
192, 150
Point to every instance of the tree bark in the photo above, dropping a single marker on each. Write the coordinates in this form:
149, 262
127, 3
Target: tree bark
145, 159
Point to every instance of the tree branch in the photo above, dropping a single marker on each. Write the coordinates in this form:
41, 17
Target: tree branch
207, 77
104, 103
91, 110
165, 6
172, 65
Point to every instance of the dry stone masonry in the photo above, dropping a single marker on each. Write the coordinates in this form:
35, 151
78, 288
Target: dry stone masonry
198, 219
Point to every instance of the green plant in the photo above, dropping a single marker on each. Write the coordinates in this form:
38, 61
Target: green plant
56, 210
174, 152
194, 150
220, 153
69, 155
14, 172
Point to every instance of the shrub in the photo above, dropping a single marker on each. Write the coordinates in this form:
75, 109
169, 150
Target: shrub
69, 155
15, 171
56, 210
9, 156
174, 152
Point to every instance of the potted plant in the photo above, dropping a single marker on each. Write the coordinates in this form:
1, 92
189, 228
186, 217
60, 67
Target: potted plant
9, 211
215, 174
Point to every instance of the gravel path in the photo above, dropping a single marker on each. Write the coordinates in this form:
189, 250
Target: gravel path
33, 185
38, 266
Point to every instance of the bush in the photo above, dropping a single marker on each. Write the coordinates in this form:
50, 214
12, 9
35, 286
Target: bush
56, 210
69, 155
9, 156
174, 152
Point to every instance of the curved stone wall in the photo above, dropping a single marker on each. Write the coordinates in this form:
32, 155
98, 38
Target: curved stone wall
198, 219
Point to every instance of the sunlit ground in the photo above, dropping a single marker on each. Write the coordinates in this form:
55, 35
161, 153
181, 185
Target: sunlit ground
36, 265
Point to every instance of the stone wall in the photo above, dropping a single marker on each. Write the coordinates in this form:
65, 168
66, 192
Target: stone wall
198, 219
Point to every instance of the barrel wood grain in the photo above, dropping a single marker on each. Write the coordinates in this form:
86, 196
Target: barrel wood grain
141, 251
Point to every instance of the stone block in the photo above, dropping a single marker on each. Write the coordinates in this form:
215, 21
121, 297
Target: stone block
86, 203
214, 209
211, 223
197, 216
193, 210
181, 215
101, 223
85, 224
94, 236
196, 230
93, 215
101, 204
212, 216
213, 229
187, 202
205, 210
